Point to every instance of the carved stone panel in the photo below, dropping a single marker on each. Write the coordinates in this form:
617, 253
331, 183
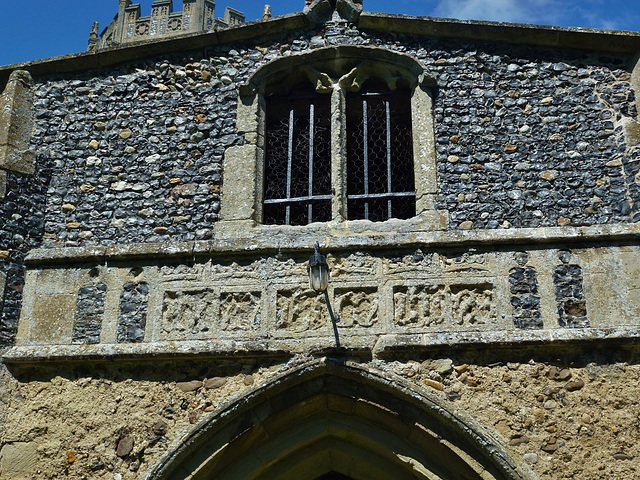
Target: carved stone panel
188, 314
184, 271
240, 311
415, 263
472, 305
466, 262
443, 306
300, 311
241, 270
354, 264
419, 306
357, 307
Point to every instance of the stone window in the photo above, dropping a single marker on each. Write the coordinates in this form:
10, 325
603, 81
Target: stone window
297, 173
343, 133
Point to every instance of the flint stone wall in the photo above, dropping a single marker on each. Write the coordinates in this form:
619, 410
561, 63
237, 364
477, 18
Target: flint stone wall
525, 137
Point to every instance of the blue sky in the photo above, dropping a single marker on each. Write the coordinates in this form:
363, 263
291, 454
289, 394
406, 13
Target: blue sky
35, 29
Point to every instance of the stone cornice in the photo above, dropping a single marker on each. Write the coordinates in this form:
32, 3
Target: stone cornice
234, 240
362, 346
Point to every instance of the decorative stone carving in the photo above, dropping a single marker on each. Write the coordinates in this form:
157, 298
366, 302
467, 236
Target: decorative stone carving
188, 313
465, 262
240, 311
239, 270
289, 267
472, 305
420, 306
196, 16
357, 307
429, 306
354, 264
300, 311
416, 262
184, 271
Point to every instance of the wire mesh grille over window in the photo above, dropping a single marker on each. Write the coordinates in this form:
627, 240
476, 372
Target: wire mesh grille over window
380, 174
297, 181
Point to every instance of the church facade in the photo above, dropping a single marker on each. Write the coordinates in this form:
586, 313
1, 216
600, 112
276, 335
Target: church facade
473, 187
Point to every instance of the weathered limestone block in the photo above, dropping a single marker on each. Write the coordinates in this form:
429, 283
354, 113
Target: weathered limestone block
55, 314
18, 458
239, 189
299, 311
16, 124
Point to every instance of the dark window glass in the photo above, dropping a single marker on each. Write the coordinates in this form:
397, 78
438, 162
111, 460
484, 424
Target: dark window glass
297, 181
380, 175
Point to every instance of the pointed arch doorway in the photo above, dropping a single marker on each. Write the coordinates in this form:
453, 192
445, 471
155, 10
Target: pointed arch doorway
330, 420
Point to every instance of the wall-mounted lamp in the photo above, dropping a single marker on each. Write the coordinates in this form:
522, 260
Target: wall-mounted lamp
319, 281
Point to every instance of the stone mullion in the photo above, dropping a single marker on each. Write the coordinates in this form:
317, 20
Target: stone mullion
338, 154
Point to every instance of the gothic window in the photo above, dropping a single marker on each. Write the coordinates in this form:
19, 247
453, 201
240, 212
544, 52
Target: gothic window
338, 134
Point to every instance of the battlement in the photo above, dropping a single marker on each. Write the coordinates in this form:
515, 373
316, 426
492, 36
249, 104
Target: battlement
128, 26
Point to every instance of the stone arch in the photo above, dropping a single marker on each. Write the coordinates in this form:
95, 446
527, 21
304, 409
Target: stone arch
350, 66
337, 418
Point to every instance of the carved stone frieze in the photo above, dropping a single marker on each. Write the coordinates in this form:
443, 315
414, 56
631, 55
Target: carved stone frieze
300, 311
443, 306
416, 262
420, 306
468, 262
354, 264
357, 307
205, 313
240, 311
184, 271
188, 314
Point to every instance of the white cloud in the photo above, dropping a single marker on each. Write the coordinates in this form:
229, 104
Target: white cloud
520, 11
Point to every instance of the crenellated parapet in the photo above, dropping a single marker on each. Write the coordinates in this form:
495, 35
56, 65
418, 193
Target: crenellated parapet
129, 26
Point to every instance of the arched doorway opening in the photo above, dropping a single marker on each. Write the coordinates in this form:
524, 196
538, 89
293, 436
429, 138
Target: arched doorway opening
330, 420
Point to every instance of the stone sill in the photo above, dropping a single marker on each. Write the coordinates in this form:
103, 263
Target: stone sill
376, 346
239, 238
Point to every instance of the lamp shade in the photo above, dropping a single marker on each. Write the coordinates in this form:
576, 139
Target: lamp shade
318, 271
